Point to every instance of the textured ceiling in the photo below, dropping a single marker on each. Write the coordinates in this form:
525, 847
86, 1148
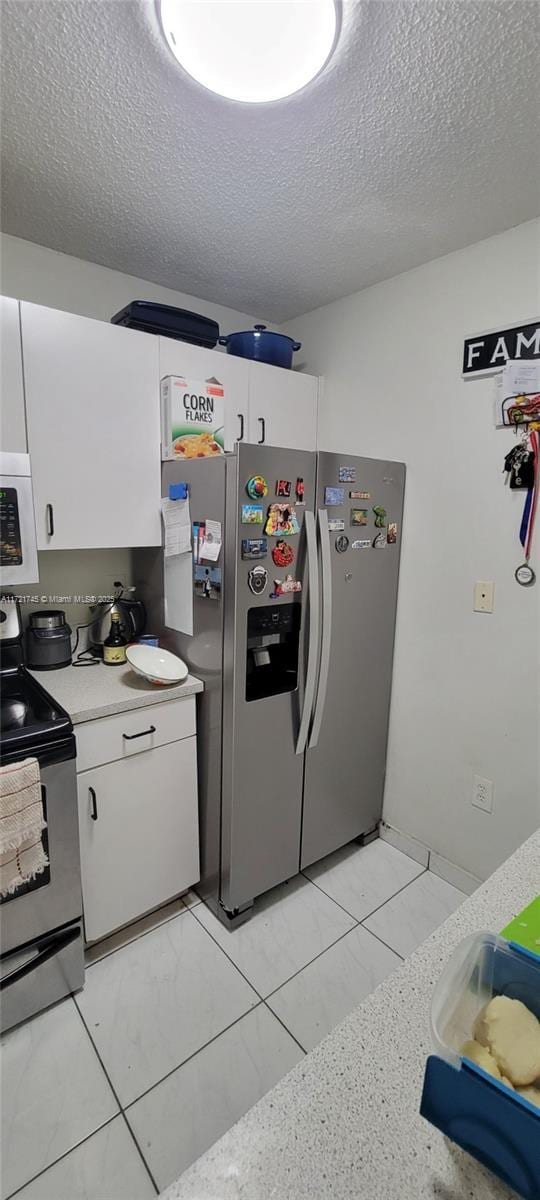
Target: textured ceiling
419, 138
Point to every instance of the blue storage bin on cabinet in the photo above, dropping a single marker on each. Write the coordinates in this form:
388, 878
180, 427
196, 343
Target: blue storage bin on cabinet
497, 1126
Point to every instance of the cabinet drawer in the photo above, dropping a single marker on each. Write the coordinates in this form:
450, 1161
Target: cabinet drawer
139, 830
129, 733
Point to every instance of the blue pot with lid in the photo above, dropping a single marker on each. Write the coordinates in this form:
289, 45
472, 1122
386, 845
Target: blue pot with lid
261, 345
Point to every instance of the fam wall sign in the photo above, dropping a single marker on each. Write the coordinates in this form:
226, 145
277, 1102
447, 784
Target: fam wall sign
490, 351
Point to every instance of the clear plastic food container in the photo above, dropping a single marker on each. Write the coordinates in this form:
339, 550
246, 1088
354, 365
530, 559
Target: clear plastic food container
495, 1124
482, 966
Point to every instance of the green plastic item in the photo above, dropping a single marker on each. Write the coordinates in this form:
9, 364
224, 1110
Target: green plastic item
525, 928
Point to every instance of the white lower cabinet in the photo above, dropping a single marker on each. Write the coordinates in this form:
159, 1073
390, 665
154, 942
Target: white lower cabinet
139, 834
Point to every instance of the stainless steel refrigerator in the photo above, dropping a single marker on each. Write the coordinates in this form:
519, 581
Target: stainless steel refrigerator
293, 720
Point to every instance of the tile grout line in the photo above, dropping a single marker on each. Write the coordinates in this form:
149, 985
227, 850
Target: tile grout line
360, 920
285, 1027
75, 1146
117, 1098
295, 973
178, 1066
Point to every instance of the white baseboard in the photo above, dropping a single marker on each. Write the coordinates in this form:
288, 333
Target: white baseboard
408, 845
429, 858
452, 874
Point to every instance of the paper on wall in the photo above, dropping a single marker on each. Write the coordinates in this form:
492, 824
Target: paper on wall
177, 526
517, 393
211, 546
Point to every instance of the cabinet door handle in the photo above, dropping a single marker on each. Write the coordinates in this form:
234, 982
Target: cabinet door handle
241, 419
130, 737
50, 519
93, 803
263, 430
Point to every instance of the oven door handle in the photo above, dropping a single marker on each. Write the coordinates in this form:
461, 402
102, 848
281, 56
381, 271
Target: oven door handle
49, 947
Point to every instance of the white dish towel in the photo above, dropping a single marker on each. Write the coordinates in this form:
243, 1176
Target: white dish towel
22, 822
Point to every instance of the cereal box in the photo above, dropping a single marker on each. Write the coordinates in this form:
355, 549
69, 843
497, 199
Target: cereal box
192, 418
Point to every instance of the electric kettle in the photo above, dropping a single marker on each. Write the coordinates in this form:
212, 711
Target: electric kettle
132, 616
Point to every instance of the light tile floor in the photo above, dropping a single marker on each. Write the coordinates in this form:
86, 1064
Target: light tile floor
182, 1025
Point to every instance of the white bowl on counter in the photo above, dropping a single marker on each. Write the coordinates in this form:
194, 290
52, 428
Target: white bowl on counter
157, 665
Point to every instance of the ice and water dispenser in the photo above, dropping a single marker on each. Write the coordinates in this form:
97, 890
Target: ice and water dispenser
273, 637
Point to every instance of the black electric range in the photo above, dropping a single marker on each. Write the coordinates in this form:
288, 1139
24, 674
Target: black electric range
42, 944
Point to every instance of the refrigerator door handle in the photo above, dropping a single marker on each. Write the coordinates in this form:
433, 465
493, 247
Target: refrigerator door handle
313, 645
326, 638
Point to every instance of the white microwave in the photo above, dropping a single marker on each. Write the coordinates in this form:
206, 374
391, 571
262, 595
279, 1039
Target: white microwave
18, 548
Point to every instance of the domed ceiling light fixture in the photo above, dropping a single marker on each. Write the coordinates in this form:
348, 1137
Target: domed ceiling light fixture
254, 51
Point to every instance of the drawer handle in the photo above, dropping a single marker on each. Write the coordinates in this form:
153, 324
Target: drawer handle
50, 519
130, 737
263, 430
93, 810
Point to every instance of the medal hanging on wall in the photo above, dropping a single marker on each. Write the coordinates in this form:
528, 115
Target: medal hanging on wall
524, 574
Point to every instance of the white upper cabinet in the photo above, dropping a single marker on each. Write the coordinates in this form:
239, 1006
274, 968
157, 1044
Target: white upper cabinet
12, 418
282, 407
92, 403
180, 358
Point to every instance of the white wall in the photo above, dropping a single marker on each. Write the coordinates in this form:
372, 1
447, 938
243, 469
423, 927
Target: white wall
466, 686
43, 276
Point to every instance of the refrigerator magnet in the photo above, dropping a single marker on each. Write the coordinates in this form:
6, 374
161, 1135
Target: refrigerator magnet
334, 495
379, 542
283, 587
254, 547
335, 525
359, 495
257, 579
391, 532
380, 516
347, 475
282, 521
359, 516
283, 488
342, 543
257, 487
361, 544
283, 554
300, 490
252, 514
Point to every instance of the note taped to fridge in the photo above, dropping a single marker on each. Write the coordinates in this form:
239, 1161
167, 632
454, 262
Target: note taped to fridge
177, 526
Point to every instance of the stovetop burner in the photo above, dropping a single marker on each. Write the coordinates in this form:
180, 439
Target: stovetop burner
28, 715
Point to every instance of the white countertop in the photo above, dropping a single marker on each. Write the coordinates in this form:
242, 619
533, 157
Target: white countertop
345, 1123
98, 691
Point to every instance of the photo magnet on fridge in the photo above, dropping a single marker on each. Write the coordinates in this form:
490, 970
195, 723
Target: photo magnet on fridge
359, 495
359, 516
334, 495
347, 475
391, 532
335, 525
252, 514
283, 488
254, 547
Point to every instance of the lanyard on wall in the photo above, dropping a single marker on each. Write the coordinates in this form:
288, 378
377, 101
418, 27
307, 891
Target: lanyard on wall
524, 573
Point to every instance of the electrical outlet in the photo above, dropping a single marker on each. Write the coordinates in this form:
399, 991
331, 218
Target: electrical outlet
482, 793
483, 595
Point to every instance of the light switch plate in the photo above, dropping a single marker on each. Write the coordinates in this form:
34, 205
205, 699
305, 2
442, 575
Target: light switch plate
484, 590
